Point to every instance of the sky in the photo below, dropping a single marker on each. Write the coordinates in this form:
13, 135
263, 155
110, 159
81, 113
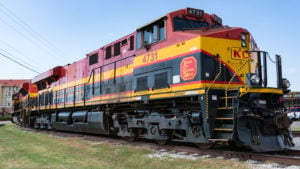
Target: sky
42, 34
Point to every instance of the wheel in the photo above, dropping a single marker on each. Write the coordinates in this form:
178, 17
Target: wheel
166, 133
162, 142
133, 135
130, 139
204, 146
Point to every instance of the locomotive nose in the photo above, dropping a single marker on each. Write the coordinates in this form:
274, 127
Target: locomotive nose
264, 133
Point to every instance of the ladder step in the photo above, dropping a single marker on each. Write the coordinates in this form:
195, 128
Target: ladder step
225, 108
232, 89
229, 97
224, 118
223, 129
219, 140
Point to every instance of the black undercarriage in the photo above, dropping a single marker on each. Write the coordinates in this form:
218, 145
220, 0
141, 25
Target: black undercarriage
254, 120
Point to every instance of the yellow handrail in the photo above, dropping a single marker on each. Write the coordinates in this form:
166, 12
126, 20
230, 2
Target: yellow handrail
231, 80
217, 76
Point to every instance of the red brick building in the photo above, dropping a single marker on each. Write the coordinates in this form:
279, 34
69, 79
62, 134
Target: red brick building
7, 88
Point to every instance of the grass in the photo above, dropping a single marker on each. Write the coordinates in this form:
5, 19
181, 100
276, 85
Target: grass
293, 128
5, 118
22, 149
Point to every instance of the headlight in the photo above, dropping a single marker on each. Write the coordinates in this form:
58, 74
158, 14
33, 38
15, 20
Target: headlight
254, 79
244, 44
243, 37
286, 83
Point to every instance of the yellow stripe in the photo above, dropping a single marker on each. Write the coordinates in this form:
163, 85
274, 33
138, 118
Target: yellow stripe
158, 95
33, 95
183, 88
177, 94
244, 91
110, 74
165, 53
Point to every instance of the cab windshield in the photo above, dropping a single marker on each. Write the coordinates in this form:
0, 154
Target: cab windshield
181, 24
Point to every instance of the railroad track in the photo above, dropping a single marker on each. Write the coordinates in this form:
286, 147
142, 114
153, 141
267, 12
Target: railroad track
286, 158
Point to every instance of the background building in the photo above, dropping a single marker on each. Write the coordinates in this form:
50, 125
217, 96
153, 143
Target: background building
292, 99
7, 88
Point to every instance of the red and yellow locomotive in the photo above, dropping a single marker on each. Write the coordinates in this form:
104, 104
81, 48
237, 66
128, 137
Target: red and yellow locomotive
183, 77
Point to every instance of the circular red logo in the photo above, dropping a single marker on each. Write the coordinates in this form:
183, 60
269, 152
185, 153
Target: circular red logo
188, 68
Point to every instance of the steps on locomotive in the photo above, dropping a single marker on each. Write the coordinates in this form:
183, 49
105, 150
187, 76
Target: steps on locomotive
224, 122
219, 140
222, 133
230, 98
224, 118
223, 128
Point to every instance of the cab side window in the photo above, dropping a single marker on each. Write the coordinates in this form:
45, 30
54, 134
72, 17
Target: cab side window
151, 33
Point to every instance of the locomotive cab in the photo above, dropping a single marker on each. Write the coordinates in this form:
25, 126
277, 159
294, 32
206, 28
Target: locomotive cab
237, 106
